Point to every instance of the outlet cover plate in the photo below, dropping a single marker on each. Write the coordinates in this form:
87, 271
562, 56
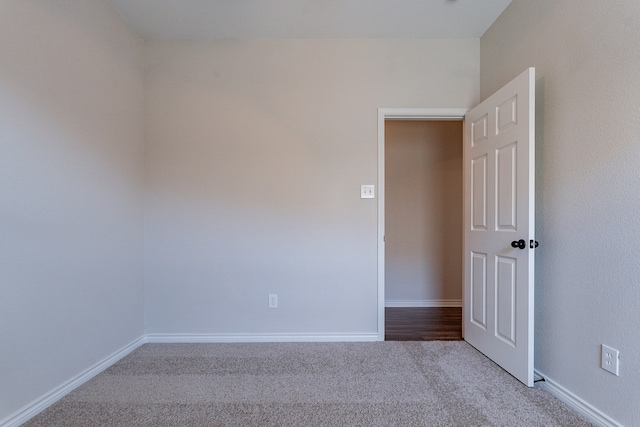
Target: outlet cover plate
273, 300
610, 360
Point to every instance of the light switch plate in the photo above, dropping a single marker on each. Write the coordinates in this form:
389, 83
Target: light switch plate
367, 191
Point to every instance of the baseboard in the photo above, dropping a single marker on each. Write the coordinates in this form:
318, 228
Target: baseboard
246, 338
587, 410
424, 303
48, 399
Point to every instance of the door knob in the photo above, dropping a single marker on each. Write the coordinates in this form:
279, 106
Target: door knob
533, 244
519, 244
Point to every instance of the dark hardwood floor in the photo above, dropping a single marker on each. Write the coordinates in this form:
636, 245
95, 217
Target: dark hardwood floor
423, 324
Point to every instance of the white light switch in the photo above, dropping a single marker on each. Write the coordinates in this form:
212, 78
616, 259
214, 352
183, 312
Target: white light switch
367, 191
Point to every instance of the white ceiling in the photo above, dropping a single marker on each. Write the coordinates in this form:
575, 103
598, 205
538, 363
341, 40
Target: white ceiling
216, 19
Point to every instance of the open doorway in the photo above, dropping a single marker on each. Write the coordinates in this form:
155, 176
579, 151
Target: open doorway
421, 207
423, 217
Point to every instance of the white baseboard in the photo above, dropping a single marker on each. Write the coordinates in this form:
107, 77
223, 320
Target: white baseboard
48, 399
246, 338
587, 410
424, 303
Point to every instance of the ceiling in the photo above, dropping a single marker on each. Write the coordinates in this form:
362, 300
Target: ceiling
221, 19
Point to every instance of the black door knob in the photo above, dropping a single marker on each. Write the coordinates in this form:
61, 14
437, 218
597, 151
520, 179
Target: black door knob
519, 244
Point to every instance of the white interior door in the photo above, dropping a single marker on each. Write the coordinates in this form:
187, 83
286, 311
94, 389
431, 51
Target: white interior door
499, 237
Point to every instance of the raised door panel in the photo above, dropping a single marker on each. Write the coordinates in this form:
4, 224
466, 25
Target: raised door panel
479, 289
506, 184
505, 293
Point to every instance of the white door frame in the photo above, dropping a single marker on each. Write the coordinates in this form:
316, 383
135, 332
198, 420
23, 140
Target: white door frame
439, 114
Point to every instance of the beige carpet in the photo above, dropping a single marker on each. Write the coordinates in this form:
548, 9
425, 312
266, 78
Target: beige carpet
307, 384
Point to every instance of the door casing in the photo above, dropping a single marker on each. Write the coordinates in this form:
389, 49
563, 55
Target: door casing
435, 114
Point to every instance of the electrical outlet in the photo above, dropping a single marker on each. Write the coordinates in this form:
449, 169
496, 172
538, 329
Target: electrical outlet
273, 300
610, 359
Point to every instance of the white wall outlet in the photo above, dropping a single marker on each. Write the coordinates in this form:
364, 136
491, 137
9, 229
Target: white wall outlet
273, 300
367, 191
610, 360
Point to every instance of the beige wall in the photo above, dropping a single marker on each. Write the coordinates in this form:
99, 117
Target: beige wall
255, 153
423, 212
586, 54
71, 159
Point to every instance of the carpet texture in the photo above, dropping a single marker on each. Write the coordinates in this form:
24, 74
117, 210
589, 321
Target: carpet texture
432, 383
